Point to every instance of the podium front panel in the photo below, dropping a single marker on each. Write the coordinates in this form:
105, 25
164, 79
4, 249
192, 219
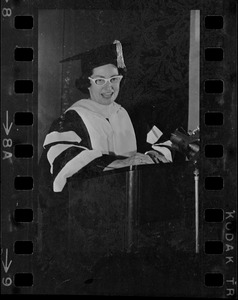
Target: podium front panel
128, 210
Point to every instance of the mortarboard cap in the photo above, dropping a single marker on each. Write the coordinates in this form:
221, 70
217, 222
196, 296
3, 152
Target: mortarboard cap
106, 54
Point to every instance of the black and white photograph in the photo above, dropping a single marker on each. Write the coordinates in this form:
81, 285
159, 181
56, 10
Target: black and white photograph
133, 149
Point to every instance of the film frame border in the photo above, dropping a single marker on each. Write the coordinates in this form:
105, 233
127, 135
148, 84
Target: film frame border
14, 135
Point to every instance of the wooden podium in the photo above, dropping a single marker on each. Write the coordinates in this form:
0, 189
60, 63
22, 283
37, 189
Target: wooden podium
130, 231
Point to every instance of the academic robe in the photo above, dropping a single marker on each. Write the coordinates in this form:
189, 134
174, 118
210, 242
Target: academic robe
87, 138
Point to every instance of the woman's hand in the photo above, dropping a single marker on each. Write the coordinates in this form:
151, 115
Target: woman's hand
137, 159
157, 157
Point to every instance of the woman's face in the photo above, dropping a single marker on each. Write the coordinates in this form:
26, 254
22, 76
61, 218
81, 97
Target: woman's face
107, 93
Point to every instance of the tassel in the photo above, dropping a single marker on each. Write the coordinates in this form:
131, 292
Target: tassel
120, 59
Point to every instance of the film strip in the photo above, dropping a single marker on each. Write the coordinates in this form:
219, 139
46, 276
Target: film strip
216, 241
214, 214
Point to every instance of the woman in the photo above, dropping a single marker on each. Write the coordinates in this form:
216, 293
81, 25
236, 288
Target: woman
96, 134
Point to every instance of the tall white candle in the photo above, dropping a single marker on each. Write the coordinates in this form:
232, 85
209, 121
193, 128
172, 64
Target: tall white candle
194, 70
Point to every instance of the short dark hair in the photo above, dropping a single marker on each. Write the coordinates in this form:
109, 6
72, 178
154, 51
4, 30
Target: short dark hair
83, 83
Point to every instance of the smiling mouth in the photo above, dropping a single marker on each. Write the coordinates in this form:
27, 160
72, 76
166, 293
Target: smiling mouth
107, 95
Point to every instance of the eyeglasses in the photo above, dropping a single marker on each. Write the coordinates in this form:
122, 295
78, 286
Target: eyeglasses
102, 81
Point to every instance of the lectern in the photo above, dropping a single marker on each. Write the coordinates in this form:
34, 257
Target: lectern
131, 208
126, 232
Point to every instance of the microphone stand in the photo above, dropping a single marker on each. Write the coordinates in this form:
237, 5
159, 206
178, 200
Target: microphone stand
187, 144
196, 182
